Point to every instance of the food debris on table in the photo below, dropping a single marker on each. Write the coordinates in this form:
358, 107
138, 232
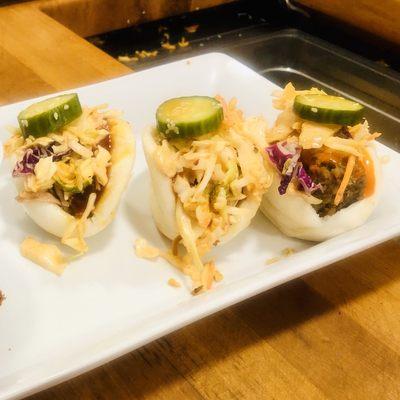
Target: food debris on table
164, 44
145, 53
183, 42
139, 54
192, 28
2, 297
168, 46
126, 59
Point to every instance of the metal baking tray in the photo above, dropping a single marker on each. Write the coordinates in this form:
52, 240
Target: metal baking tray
290, 55
293, 56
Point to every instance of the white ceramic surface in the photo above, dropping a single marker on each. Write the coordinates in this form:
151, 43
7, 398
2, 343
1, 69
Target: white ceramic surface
110, 302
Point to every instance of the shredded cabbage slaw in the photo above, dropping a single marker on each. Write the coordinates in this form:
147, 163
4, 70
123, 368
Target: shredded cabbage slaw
56, 166
212, 176
291, 134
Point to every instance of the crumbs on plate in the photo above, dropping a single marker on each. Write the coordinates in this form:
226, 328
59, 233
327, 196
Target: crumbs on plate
205, 280
286, 252
139, 54
144, 250
174, 283
46, 255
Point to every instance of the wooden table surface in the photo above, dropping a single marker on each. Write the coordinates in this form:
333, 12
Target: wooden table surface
333, 334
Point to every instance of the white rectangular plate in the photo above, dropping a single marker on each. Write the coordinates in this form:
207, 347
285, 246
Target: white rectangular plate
110, 302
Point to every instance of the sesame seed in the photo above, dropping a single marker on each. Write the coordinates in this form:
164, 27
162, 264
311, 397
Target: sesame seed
66, 107
55, 115
314, 110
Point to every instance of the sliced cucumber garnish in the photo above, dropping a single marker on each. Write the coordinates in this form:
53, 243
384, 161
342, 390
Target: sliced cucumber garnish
328, 109
49, 115
189, 116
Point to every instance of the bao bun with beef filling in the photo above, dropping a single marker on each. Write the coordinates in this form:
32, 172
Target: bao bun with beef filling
207, 177
71, 179
326, 175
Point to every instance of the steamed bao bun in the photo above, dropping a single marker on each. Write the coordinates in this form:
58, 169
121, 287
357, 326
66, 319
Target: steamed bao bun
292, 213
163, 199
296, 217
53, 219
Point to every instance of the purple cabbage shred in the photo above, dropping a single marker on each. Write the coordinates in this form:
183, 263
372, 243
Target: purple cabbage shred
285, 156
32, 156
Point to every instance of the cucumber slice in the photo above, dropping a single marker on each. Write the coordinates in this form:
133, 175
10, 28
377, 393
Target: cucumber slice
328, 109
49, 115
192, 116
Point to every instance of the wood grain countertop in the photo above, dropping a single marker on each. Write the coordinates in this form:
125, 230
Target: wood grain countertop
333, 334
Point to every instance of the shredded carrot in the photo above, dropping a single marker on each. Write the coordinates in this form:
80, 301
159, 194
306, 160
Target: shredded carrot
346, 179
226, 110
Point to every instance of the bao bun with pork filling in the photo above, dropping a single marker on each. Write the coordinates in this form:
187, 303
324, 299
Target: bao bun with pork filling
326, 172
207, 177
71, 166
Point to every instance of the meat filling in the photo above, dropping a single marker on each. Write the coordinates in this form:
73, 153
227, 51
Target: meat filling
78, 201
327, 167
